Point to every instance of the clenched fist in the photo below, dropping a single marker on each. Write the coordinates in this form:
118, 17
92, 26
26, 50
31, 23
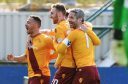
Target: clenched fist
10, 57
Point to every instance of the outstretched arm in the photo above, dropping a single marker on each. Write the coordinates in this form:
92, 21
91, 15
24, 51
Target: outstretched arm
21, 58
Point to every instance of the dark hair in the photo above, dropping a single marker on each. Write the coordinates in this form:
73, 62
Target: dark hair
37, 19
60, 7
67, 12
78, 13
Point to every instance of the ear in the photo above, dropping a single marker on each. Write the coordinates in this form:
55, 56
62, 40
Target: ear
79, 20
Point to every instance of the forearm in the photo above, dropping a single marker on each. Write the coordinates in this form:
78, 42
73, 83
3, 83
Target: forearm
21, 58
59, 60
61, 49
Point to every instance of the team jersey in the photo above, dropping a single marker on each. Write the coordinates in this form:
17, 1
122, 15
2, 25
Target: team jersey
41, 47
82, 47
61, 31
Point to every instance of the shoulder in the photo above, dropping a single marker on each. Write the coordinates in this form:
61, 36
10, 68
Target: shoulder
74, 32
77, 32
63, 25
45, 36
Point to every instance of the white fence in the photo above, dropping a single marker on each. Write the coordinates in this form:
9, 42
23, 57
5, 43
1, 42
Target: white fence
12, 29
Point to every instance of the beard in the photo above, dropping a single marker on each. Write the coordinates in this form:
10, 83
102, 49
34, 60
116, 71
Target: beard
55, 21
73, 25
28, 30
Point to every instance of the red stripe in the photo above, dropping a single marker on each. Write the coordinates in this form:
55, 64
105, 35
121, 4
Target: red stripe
33, 61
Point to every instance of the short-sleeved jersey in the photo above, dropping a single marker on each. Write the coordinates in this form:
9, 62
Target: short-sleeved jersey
60, 33
83, 49
41, 46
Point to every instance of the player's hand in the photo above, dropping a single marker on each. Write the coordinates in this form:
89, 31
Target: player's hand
56, 66
10, 57
84, 27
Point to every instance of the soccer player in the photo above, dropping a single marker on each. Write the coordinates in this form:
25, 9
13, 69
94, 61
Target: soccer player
37, 53
67, 68
96, 41
82, 48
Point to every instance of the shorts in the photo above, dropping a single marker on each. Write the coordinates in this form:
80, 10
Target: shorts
64, 75
39, 80
87, 75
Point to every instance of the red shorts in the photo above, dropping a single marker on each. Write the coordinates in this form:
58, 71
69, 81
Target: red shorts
39, 80
86, 75
64, 75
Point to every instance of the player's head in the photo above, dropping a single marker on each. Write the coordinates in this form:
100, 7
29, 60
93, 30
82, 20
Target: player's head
57, 12
33, 24
75, 17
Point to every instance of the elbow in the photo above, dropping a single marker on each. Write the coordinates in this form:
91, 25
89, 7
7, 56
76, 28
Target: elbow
97, 43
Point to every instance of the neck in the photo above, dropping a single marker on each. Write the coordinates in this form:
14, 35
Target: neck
61, 19
35, 33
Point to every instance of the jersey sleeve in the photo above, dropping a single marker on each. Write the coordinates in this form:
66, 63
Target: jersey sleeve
59, 59
66, 43
95, 39
62, 47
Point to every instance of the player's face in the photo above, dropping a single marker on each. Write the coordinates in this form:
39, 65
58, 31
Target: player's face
30, 25
72, 20
54, 16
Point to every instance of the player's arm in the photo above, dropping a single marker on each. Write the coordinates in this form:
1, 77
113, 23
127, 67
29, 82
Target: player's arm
60, 34
59, 37
62, 47
21, 58
95, 39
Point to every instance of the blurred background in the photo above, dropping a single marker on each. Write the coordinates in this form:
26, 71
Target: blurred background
110, 56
